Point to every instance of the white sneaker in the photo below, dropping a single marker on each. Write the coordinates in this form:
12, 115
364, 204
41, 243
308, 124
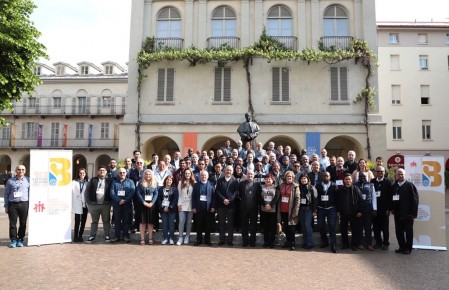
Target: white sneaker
172, 242
179, 243
164, 242
186, 240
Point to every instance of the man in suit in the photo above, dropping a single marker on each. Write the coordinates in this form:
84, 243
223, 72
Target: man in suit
203, 206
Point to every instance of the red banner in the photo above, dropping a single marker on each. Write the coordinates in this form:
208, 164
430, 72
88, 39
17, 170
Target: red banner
64, 136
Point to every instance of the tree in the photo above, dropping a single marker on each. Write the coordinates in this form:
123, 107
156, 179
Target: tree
19, 49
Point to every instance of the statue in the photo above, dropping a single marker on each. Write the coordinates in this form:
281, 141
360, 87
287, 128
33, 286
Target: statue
248, 130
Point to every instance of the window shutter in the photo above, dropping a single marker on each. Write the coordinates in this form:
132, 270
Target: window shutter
285, 84
170, 84
112, 105
334, 84
98, 105
23, 130
160, 84
73, 105
227, 84
87, 105
217, 86
123, 105
275, 84
37, 105
343, 84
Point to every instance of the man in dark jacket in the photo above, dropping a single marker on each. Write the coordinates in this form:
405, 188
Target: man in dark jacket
368, 207
249, 192
383, 189
405, 209
203, 206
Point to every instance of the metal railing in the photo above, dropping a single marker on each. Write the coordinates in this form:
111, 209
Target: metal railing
288, 41
58, 143
67, 110
168, 43
222, 41
335, 42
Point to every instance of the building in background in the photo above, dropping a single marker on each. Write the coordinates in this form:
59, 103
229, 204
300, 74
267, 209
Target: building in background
414, 85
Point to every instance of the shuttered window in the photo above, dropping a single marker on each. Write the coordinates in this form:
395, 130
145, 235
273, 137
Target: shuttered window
339, 84
280, 79
29, 130
54, 141
165, 84
222, 88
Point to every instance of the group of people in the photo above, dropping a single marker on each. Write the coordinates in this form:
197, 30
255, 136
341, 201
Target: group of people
241, 187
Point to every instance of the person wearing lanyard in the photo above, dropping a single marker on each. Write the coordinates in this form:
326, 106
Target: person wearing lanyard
185, 189
269, 197
146, 192
383, 188
326, 209
288, 208
307, 210
79, 207
368, 208
203, 206
249, 194
122, 193
167, 200
16, 205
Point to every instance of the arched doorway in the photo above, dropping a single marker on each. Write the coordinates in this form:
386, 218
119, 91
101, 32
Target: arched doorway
285, 141
5, 163
217, 142
102, 160
25, 160
340, 145
161, 145
79, 161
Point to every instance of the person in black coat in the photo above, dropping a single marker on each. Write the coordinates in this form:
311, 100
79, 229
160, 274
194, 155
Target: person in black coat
249, 192
405, 209
383, 189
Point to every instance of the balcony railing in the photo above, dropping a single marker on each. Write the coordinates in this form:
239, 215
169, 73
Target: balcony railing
288, 41
229, 41
58, 143
168, 43
330, 43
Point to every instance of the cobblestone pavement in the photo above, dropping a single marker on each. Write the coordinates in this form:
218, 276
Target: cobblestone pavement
131, 266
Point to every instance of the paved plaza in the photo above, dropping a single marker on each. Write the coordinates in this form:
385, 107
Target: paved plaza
131, 266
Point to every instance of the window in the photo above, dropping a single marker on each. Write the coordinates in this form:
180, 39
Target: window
426, 129
60, 70
339, 84
79, 131
104, 130
335, 21
394, 62
447, 38
394, 38
425, 94
31, 103
29, 130
280, 79
108, 70
222, 90
82, 101
423, 62
84, 70
395, 94
37, 71
56, 102
397, 129
165, 84
169, 23
422, 38
224, 22
54, 141
279, 21
106, 101
6, 132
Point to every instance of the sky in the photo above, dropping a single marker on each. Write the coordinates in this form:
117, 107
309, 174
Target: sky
98, 30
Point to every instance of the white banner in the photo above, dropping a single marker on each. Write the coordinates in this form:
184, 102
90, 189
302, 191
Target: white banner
50, 209
427, 173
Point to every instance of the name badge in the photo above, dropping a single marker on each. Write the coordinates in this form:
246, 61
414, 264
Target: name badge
148, 197
364, 196
339, 182
396, 197
377, 193
325, 198
303, 200
165, 203
18, 194
268, 198
100, 190
121, 193
187, 197
203, 197
284, 199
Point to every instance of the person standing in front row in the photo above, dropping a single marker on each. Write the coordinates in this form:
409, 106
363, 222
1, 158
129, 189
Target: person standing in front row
383, 188
405, 210
16, 205
98, 200
288, 208
79, 207
269, 197
203, 206
167, 200
146, 192
122, 193
249, 193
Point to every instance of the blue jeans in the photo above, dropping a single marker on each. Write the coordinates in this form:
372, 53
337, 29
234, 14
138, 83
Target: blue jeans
331, 214
305, 217
121, 219
185, 218
168, 225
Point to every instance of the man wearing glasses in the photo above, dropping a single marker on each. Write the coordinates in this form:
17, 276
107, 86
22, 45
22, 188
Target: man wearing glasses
16, 205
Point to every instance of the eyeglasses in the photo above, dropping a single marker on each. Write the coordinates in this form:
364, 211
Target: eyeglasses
122, 173
139, 162
20, 169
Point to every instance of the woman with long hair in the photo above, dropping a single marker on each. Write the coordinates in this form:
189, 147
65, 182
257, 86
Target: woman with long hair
185, 189
79, 207
307, 210
167, 200
362, 167
147, 194
288, 208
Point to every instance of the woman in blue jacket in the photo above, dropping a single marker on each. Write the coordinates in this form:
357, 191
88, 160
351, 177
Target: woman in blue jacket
147, 194
168, 204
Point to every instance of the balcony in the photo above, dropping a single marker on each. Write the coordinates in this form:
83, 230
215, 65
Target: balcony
224, 41
331, 43
288, 41
20, 143
165, 43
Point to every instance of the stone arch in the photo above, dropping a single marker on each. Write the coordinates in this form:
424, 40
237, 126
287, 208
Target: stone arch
161, 145
79, 161
285, 141
5, 163
102, 159
217, 142
340, 145
25, 160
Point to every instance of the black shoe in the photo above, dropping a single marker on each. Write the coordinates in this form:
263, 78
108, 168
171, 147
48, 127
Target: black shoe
265, 245
221, 243
271, 246
307, 247
285, 246
377, 246
324, 245
354, 248
406, 252
252, 245
245, 245
399, 251
334, 249
197, 243
345, 247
